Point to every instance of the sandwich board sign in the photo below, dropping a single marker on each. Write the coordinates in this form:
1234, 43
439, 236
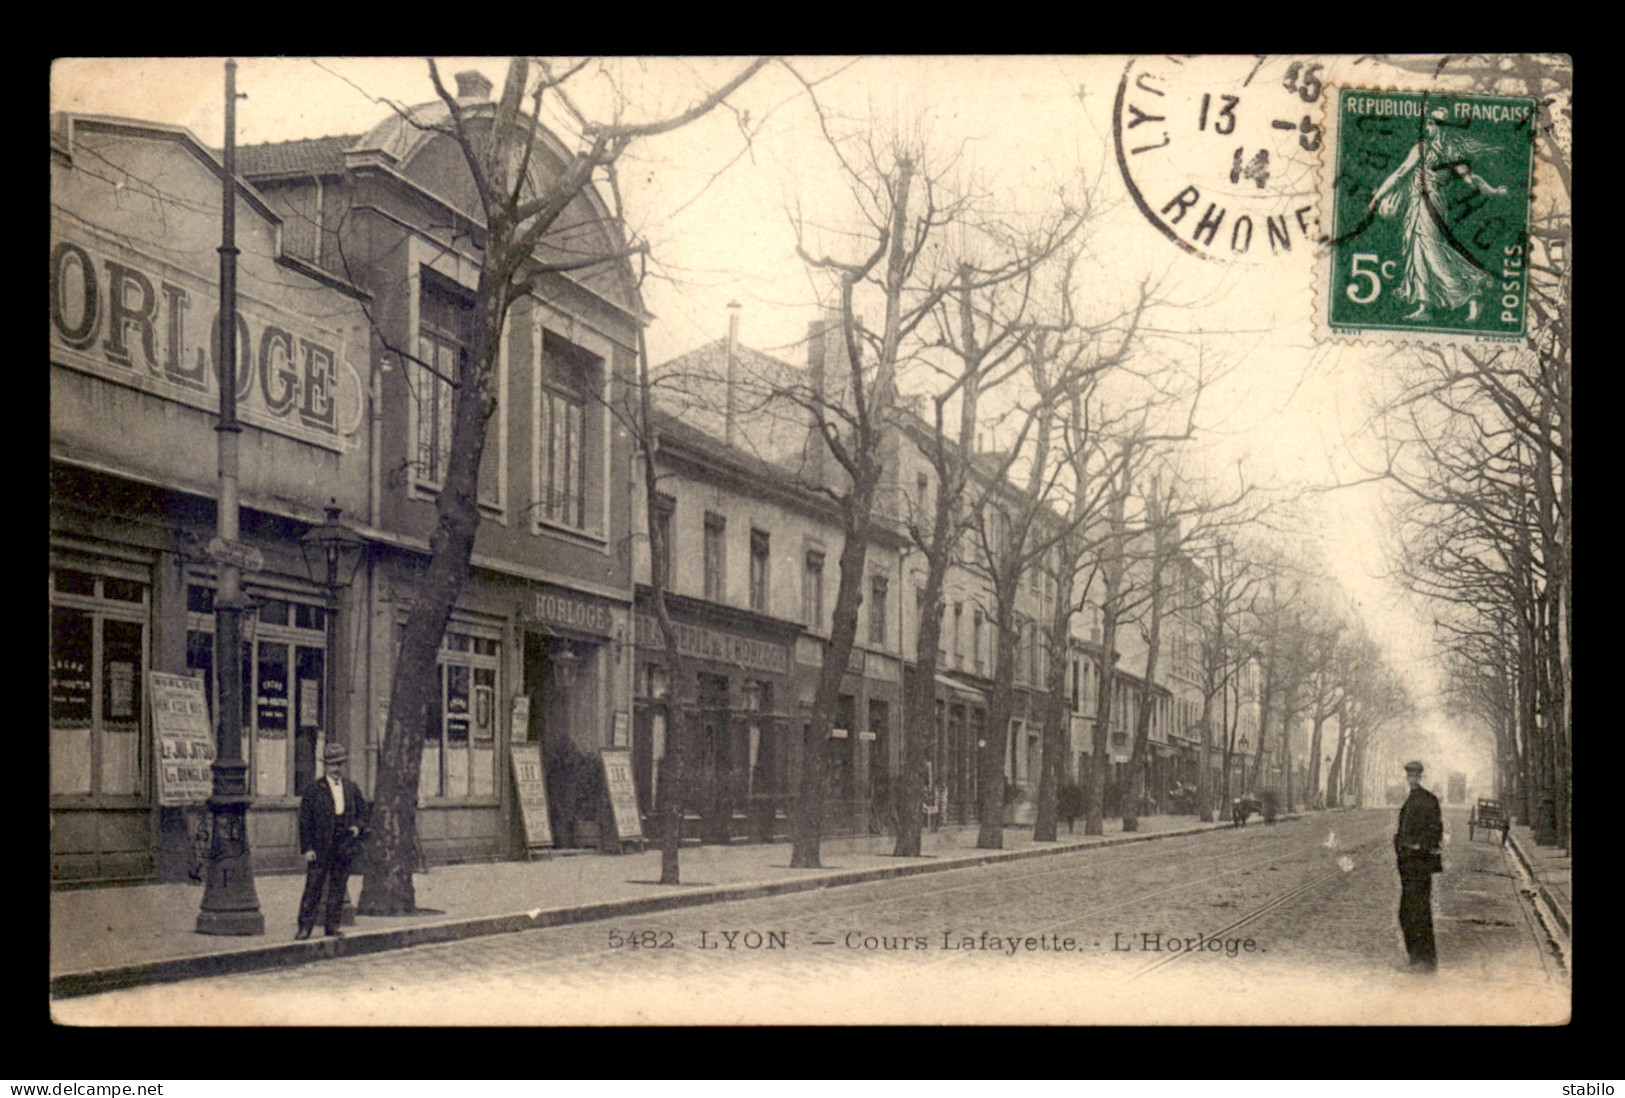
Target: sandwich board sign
623, 793
529, 780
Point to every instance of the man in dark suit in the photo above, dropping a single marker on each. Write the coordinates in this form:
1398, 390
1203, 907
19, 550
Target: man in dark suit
1416, 843
332, 819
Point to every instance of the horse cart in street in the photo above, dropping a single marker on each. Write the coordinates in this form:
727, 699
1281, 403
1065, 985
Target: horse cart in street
1488, 815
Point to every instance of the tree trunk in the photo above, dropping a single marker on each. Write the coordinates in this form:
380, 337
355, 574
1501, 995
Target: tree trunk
1142, 722
1044, 822
672, 793
1056, 718
807, 825
990, 833
920, 718
392, 828
1204, 776
1094, 819
919, 729
1314, 756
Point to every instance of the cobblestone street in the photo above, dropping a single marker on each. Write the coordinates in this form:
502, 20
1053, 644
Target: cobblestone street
1292, 923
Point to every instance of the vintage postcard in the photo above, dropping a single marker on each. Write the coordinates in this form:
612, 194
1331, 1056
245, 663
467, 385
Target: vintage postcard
830, 540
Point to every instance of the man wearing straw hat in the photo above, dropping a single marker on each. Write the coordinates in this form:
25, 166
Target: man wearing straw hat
332, 819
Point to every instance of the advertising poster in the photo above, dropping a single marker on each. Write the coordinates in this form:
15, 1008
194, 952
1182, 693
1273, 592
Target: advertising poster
180, 726
528, 778
623, 793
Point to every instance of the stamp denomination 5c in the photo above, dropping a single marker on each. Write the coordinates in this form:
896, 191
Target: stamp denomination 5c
1429, 197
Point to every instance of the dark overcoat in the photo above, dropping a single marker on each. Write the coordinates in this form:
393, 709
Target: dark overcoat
1420, 834
317, 827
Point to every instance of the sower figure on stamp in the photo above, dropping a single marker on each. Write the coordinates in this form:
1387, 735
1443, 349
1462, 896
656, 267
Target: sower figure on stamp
1421, 830
332, 819
1437, 274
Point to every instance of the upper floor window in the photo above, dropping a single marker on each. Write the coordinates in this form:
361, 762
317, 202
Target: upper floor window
716, 560
444, 335
959, 652
877, 610
812, 589
564, 436
758, 570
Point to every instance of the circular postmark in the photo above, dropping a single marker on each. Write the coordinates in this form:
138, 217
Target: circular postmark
1221, 153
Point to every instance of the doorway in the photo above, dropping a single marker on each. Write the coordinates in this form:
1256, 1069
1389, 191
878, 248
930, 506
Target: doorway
557, 671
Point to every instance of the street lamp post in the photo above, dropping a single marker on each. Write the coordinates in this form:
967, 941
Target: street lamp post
332, 553
230, 904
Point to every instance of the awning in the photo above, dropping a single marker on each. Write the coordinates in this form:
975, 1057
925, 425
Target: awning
969, 693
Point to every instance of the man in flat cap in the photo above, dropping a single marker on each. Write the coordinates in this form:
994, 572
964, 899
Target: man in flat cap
1421, 830
332, 819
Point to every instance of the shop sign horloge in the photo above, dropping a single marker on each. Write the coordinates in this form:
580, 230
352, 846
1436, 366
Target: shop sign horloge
557, 608
139, 321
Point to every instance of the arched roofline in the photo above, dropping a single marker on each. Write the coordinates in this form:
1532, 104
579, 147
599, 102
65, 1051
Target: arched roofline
395, 142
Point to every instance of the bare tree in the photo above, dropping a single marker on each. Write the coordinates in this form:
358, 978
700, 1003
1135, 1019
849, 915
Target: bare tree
1177, 515
1232, 587
981, 322
502, 147
900, 204
1483, 444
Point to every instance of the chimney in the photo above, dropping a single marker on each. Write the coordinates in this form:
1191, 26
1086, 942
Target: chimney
733, 373
473, 85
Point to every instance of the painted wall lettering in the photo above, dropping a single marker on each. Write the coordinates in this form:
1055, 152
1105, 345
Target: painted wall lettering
141, 322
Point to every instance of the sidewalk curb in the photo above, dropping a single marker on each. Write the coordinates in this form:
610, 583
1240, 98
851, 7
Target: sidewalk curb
261, 957
1558, 914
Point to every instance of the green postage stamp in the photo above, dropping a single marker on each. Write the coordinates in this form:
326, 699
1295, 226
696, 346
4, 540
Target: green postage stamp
1430, 216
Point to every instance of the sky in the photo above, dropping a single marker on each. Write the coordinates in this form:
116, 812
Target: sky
719, 214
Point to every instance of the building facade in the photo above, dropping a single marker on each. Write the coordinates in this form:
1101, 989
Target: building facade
751, 591
135, 222
359, 261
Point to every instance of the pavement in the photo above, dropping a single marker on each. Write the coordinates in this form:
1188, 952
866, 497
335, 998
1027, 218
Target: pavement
1551, 871
107, 938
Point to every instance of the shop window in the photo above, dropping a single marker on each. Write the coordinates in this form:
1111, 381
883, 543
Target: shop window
758, 570
283, 665
98, 657
459, 749
716, 559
